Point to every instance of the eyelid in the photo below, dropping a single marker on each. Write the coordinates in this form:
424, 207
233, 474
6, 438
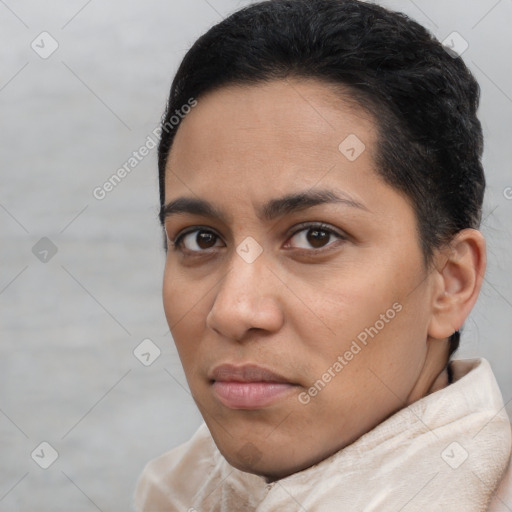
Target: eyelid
182, 234
322, 226
318, 224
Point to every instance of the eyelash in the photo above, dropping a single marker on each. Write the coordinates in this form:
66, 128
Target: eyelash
177, 243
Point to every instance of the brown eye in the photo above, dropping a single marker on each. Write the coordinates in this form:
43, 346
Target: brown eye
205, 240
314, 237
196, 240
317, 237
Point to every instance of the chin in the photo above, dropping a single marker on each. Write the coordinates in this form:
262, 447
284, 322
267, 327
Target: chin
272, 461
264, 465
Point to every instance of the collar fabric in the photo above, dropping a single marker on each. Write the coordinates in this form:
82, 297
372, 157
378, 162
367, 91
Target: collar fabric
447, 451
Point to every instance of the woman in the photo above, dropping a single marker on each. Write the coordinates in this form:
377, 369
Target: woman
321, 191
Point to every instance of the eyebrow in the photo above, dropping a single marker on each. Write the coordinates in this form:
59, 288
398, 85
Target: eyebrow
273, 209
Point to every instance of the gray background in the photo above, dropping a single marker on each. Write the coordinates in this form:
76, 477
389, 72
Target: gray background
68, 375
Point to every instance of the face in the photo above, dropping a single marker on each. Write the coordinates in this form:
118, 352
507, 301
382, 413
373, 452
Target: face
295, 290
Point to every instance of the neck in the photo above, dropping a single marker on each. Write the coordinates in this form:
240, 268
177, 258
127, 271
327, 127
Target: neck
434, 374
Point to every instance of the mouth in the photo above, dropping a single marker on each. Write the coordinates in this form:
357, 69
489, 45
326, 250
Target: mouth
248, 386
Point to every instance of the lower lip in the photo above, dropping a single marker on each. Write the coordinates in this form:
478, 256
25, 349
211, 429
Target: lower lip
250, 395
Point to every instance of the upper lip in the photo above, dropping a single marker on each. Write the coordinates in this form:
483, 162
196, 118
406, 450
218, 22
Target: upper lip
245, 373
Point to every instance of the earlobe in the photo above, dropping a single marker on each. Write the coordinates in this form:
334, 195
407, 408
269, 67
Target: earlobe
458, 281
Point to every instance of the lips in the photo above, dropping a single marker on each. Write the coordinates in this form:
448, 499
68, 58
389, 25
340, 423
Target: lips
246, 373
249, 386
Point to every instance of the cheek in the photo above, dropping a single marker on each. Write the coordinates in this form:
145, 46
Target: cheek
183, 305
171, 290
347, 305
384, 354
370, 315
183, 296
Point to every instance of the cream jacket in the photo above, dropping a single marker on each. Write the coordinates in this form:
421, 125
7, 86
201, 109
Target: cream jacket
448, 451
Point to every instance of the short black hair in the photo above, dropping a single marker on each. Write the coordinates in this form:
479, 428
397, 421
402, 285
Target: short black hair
422, 96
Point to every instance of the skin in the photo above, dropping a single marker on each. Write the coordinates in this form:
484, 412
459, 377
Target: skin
302, 302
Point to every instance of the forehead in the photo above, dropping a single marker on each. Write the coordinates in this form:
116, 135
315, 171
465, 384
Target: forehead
283, 130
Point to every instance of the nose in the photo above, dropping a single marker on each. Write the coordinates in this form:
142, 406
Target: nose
247, 299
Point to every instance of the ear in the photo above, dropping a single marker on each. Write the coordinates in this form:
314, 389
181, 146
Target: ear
460, 269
